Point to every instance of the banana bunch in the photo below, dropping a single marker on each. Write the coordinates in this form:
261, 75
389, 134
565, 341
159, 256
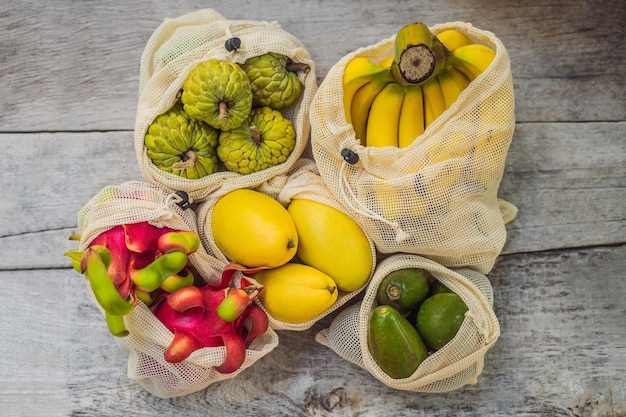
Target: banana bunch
392, 102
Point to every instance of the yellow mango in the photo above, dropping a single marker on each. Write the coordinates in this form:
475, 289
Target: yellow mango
295, 293
329, 240
253, 229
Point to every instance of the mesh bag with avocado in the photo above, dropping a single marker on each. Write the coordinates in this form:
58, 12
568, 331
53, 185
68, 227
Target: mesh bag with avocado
312, 257
420, 326
221, 101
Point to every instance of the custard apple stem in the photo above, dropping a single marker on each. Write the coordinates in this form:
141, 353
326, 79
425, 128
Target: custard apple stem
223, 108
256, 135
189, 163
297, 67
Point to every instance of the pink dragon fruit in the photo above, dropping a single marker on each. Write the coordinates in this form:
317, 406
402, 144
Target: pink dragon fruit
213, 315
133, 262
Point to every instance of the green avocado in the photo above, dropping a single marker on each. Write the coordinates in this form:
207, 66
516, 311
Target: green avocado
403, 289
394, 343
439, 318
437, 287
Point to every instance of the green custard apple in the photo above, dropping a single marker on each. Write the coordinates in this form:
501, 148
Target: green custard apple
218, 93
265, 140
183, 146
274, 79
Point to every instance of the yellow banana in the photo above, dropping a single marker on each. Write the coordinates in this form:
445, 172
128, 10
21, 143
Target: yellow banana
383, 119
392, 204
459, 78
362, 101
449, 87
411, 121
434, 102
358, 72
472, 59
386, 62
453, 39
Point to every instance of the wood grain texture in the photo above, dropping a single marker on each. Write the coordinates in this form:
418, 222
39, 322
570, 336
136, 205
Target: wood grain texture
75, 66
69, 76
562, 352
559, 174
567, 195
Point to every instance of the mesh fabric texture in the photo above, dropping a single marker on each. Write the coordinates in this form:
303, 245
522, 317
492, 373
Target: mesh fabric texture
148, 338
179, 45
302, 181
458, 363
438, 196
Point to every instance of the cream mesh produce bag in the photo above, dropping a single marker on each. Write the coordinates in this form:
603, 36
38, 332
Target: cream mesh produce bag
458, 363
301, 181
179, 45
438, 196
148, 338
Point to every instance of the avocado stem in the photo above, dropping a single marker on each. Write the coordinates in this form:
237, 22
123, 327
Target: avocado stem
394, 292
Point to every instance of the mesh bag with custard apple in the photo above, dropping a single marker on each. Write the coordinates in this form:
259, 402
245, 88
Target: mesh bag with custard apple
456, 364
302, 181
147, 339
176, 48
436, 197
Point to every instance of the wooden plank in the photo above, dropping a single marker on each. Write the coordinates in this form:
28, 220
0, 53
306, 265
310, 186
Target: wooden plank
561, 352
50, 176
72, 66
568, 181
567, 195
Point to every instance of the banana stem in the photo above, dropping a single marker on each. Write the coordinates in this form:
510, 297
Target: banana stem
417, 64
419, 55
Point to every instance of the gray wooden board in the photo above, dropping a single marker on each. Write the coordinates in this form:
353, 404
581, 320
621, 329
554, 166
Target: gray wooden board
562, 352
69, 76
75, 65
567, 195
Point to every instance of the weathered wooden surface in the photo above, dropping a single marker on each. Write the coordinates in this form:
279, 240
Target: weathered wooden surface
69, 81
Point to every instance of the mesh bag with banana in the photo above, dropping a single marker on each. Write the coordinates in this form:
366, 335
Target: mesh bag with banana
221, 101
365, 333
148, 209
411, 136
331, 259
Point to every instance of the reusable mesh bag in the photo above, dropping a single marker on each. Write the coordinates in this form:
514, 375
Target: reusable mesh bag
179, 45
438, 196
301, 181
148, 338
458, 363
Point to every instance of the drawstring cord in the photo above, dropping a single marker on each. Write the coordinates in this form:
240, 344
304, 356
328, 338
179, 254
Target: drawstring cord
232, 47
401, 235
229, 37
178, 199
